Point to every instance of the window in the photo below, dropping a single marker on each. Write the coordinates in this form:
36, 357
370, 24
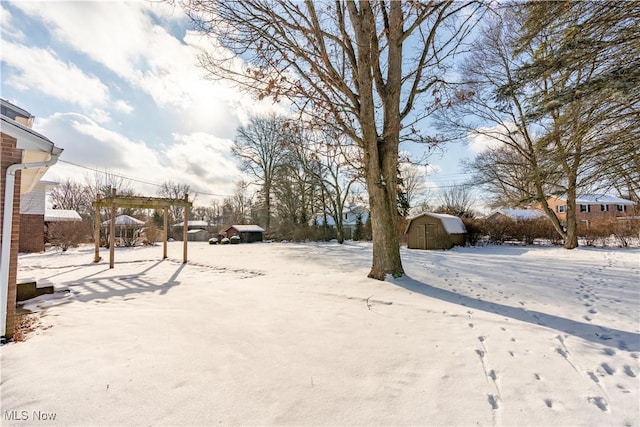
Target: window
560, 208
604, 208
621, 208
585, 208
346, 216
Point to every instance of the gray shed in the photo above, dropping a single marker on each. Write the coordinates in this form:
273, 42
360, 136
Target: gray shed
197, 235
435, 231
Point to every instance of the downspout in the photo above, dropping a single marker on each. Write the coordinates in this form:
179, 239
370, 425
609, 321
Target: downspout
6, 232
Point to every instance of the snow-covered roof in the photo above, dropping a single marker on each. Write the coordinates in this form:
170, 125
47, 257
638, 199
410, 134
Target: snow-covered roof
452, 224
60, 215
124, 220
251, 228
521, 214
194, 223
599, 199
197, 230
351, 219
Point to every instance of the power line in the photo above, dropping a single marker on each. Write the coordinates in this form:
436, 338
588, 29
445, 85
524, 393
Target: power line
142, 181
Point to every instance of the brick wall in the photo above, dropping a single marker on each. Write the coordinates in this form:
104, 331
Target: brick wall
31, 233
9, 155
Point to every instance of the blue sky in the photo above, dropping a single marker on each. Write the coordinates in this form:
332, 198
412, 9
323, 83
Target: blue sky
117, 86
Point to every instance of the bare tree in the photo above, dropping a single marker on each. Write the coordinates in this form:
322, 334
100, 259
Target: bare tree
457, 200
362, 67
414, 185
260, 148
71, 195
241, 202
176, 191
552, 126
328, 162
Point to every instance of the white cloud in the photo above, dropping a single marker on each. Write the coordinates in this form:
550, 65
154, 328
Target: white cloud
7, 27
40, 69
486, 138
125, 38
200, 160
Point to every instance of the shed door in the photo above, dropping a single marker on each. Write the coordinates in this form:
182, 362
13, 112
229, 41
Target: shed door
431, 236
421, 235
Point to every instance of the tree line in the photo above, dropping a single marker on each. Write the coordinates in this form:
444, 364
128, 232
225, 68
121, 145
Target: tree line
551, 85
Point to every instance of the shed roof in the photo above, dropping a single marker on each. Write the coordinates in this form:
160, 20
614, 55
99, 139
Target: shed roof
597, 199
521, 214
249, 228
125, 220
194, 223
452, 224
196, 231
61, 215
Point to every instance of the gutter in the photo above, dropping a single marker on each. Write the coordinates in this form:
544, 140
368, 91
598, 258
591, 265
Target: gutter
6, 232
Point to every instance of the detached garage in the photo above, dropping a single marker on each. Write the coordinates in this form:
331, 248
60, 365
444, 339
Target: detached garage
247, 233
435, 231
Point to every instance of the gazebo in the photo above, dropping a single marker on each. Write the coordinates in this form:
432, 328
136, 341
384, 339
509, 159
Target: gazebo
126, 229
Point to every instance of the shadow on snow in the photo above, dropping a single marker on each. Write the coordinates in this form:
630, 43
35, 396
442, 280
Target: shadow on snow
622, 340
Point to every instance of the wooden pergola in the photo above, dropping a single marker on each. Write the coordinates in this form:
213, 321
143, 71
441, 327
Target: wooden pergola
114, 201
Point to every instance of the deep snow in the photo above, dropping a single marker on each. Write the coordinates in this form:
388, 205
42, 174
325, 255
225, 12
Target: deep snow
294, 334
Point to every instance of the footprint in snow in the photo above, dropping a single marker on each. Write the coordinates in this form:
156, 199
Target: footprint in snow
493, 401
562, 352
609, 351
599, 402
537, 376
549, 403
608, 369
623, 389
593, 377
629, 371
471, 325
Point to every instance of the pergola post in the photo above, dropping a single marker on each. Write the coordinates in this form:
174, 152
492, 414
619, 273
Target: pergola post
112, 229
96, 235
185, 228
165, 224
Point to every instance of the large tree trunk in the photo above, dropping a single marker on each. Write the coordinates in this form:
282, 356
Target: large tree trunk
380, 152
571, 235
381, 180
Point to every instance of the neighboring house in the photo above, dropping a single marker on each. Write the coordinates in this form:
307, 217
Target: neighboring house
35, 217
435, 231
516, 214
32, 209
350, 217
25, 156
248, 233
591, 207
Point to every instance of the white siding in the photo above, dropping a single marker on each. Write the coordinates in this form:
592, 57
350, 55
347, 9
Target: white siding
33, 203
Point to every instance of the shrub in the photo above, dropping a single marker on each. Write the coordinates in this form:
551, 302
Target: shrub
68, 234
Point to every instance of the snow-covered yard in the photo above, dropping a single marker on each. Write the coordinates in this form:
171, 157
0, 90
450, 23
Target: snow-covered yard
294, 334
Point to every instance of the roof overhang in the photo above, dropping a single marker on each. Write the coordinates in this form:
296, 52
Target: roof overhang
35, 148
